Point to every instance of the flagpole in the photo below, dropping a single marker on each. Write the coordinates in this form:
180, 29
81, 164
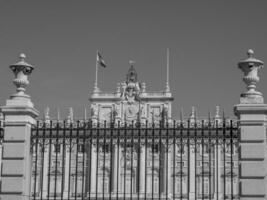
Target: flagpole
96, 70
167, 79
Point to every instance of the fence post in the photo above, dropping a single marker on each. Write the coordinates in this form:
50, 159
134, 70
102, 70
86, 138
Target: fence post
19, 116
251, 113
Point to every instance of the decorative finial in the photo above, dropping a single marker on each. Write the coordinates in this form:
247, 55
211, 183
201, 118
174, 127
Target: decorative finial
192, 117
250, 53
250, 67
46, 115
21, 71
182, 114
131, 62
167, 89
58, 114
22, 56
85, 114
217, 112
70, 115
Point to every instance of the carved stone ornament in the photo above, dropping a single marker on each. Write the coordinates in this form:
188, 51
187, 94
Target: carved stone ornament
250, 67
131, 111
21, 71
131, 88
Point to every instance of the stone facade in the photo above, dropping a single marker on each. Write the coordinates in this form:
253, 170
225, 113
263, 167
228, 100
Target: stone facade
131, 103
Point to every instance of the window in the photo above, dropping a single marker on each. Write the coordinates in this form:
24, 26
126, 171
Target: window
155, 148
178, 164
56, 148
228, 186
205, 149
206, 185
178, 184
231, 148
203, 189
180, 150
55, 163
80, 148
104, 189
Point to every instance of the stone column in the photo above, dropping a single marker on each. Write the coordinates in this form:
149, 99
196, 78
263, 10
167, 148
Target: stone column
252, 113
19, 114
192, 177
93, 170
45, 176
218, 179
142, 169
115, 169
66, 170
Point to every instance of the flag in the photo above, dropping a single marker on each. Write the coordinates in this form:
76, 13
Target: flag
100, 60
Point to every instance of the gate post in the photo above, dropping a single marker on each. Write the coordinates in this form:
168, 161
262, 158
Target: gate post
251, 113
19, 116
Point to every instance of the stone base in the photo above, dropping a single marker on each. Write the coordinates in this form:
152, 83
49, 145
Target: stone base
249, 98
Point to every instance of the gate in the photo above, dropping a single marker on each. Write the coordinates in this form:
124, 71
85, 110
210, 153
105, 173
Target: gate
177, 160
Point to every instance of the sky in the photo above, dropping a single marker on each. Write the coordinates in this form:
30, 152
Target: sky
60, 38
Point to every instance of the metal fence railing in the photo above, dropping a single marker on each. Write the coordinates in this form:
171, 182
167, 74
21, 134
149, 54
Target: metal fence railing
1, 142
185, 160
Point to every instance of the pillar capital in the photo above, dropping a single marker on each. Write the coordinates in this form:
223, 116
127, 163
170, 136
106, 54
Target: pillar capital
241, 109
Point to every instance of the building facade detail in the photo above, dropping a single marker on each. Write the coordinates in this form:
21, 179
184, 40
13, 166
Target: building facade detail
131, 103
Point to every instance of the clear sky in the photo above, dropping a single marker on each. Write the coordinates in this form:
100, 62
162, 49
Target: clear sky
60, 38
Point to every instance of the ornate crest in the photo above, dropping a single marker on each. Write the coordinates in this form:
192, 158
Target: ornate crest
132, 88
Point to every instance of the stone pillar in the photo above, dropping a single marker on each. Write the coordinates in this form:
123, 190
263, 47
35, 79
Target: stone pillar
45, 176
217, 174
66, 170
192, 177
142, 169
251, 113
115, 169
93, 170
19, 115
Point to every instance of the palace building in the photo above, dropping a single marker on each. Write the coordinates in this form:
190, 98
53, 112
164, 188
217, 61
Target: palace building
155, 164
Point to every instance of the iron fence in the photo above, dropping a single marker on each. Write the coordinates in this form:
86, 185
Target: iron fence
185, 160
1, 142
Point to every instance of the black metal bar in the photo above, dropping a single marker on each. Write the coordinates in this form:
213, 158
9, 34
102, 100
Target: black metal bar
43, 152
104, 146
49, 161
153, 146
132, 145
70, 151
83, 152
36, 160
188, 159
195, 138
224, 152
124, 169
118, 159
146, 158
90, 158
160, 162
202, 157
63, 159
111, 162
210, 162
97, 154
139, 162
181, 162
173, 161
167, 161
56, 151
231, 157
217, 160
76, 159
